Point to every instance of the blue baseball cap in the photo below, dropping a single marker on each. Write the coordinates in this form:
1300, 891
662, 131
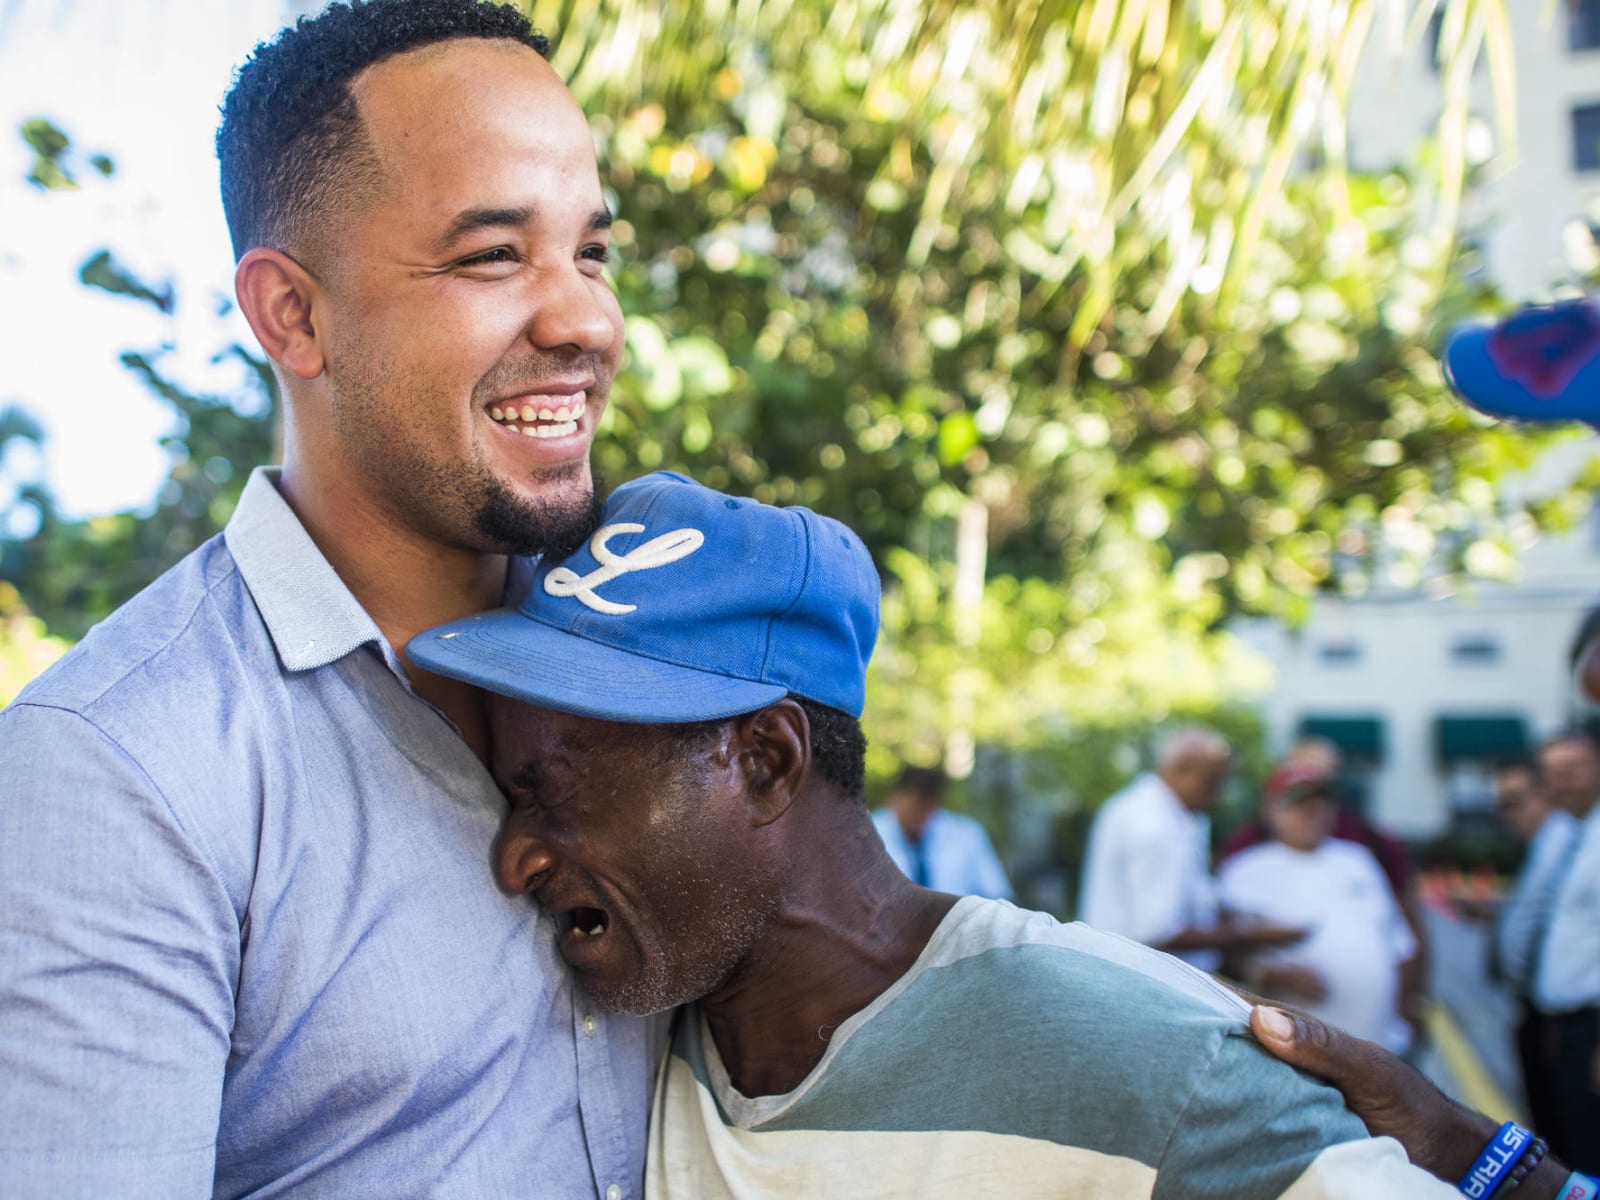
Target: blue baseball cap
1538, 364
685, 605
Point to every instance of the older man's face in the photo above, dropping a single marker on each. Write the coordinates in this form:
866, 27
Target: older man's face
638, 845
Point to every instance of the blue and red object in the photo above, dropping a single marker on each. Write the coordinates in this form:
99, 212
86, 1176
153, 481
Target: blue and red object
1538, 364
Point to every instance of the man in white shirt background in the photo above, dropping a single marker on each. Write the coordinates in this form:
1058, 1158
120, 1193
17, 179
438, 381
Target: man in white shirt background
1146, 870
1347, 971
935, 847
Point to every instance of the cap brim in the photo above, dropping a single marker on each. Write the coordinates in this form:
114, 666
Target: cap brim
1475, 376
508, 653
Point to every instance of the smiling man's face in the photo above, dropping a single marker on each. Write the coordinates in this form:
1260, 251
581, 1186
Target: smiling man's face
637, 842
471, 332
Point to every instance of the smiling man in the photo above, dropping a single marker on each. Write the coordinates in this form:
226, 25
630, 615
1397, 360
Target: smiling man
677, 733
248, 945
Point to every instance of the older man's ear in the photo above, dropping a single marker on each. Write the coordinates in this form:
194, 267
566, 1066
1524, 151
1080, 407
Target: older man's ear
773, 749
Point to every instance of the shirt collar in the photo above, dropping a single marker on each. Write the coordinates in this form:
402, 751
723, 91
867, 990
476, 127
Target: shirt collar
310, 614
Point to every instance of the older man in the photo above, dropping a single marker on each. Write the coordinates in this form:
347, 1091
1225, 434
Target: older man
679, 743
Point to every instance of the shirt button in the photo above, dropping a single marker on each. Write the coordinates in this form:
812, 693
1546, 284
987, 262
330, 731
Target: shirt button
588, 1031
613, 1192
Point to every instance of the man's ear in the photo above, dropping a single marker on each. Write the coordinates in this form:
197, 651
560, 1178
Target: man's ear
773, 749
275, 294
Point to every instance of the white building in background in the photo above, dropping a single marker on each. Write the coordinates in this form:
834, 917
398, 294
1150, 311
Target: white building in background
1424, 691
1525, 200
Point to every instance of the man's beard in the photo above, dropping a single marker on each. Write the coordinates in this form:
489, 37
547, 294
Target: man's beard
551, 528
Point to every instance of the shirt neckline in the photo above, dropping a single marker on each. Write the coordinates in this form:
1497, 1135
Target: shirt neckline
311, 616
749, 1111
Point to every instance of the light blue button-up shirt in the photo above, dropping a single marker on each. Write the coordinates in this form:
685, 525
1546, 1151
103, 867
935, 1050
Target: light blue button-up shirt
957, 856
1526, 914
249, 940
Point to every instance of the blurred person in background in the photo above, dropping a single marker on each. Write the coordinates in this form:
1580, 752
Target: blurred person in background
1547, 832
1569, 767
1391, 855
1146, 870
1347, 970
1566, 970
933, 846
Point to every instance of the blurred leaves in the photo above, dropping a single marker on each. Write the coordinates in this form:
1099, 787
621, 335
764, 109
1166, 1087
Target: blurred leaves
26, 648
56, 166
70, 573
1099, 266
103, 271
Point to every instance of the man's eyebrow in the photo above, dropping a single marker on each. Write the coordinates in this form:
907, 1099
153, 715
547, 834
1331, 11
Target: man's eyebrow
474, 219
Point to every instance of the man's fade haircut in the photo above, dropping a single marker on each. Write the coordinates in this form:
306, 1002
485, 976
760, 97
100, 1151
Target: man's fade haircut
291, 144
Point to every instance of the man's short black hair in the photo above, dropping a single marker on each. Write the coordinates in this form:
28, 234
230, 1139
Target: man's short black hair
291, 143
838, 747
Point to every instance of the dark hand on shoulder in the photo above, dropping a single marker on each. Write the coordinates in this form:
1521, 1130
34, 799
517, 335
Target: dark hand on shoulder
1391, 1098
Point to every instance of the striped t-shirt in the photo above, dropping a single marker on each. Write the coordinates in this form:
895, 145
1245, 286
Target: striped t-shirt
1020, 1057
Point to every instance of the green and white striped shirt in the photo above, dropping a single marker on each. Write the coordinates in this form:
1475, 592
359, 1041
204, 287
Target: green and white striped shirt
1023, 1057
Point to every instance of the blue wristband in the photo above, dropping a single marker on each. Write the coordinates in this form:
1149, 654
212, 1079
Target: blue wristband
1579, 1187
1496, 1161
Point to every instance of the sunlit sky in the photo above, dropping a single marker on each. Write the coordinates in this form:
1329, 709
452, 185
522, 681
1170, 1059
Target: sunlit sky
139, 80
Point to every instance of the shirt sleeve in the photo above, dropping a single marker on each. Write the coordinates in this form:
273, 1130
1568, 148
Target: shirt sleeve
1256, 1129
118, 951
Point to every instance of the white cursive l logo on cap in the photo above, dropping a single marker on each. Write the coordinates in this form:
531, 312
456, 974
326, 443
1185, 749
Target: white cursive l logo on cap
657, 552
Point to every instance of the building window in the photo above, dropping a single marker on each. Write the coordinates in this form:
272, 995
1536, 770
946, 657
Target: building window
1583, 24
1586, 137
1479, 737
1475, 650
1339, 654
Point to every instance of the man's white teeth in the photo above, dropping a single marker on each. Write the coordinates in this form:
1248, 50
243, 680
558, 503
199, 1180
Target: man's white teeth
595, 930
560, 421
550, 431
